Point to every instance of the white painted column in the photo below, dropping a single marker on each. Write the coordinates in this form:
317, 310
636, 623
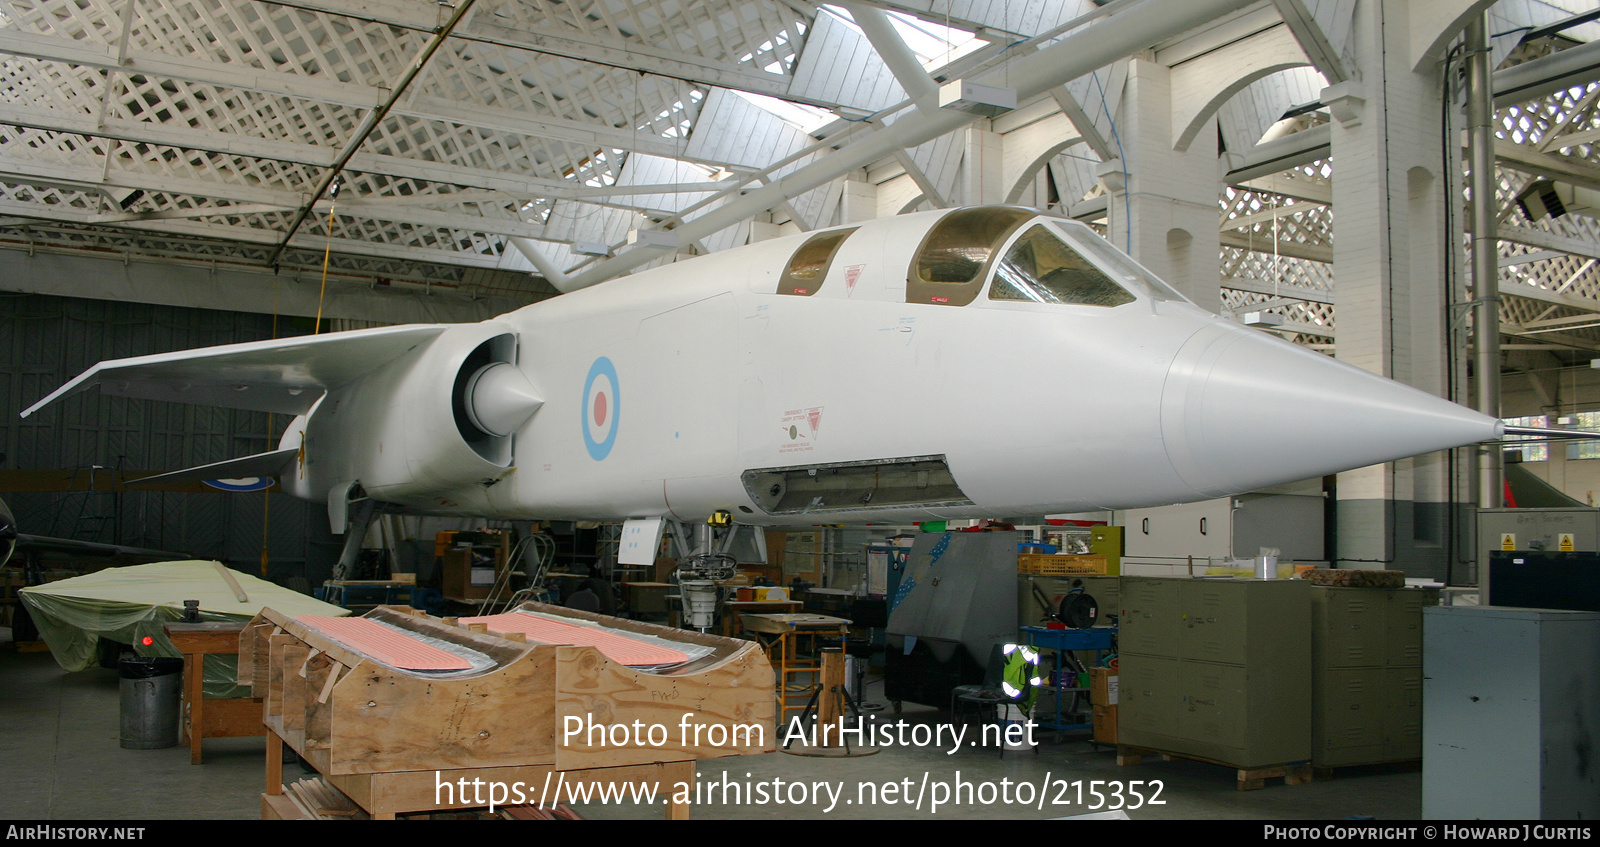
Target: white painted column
1169, 206
1388, 248
982, 166
858, 201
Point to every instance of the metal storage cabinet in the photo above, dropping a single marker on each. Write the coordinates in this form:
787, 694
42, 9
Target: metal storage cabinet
1511, 713
1367, 682
1217, 669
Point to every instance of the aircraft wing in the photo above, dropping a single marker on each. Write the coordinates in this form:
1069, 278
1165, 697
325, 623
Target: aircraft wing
74, 547
284, 375
11, 540
270, 463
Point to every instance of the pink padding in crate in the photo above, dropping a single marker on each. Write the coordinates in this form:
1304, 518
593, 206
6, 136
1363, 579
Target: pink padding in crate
386, 644
616, 647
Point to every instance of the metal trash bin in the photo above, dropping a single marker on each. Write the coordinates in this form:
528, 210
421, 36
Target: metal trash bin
151, 689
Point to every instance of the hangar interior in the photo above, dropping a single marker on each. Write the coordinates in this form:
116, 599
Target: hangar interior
177, 174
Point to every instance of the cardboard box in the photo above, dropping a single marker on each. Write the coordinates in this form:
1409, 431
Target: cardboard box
1102, 687
1105, 724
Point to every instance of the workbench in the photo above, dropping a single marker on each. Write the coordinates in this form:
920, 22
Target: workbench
238, 717
733, 610
780, 634
364, 595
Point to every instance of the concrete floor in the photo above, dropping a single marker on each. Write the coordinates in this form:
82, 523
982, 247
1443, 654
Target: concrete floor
60, 759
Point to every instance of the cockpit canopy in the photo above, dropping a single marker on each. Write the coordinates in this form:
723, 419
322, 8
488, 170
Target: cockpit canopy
1054, 261
808, 267
953, 260
1041, 268
1023, 256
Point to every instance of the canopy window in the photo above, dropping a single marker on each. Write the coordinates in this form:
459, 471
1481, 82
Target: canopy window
1041, 268
954, 258
808, 267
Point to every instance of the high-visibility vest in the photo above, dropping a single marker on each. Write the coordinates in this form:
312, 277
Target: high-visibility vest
1020, 682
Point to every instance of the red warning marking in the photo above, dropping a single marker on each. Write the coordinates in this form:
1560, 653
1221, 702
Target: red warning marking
615, 646
386, 644
851, 275
941, 299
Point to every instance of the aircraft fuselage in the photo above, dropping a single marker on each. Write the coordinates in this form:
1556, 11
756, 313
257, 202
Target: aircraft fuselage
865, 392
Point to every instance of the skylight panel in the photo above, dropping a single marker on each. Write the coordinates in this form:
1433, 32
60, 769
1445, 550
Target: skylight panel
934, 45
807, 118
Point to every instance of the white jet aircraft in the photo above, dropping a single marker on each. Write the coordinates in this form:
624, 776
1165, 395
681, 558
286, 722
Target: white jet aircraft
977, 362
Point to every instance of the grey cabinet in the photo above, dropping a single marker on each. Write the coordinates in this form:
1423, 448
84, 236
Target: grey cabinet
1511, 713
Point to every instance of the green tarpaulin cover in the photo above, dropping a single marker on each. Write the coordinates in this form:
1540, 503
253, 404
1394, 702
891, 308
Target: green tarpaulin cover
127, 604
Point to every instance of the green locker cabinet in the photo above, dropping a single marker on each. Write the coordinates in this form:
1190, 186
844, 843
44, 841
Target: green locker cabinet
1231, 656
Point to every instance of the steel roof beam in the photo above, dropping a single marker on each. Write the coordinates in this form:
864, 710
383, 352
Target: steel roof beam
223, 75
1138, 27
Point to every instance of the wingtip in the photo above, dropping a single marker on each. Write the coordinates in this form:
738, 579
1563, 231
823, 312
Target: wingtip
87, 379
37, 406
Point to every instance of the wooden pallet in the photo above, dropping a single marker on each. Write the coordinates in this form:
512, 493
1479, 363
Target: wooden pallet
1323, 773
1249, 779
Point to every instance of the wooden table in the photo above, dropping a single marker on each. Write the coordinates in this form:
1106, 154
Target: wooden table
779, 634
732, 610
354, 594
230, 718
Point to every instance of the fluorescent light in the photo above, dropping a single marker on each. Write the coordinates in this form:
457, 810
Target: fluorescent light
1265, 320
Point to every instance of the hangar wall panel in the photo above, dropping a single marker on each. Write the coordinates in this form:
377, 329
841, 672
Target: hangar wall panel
45, 341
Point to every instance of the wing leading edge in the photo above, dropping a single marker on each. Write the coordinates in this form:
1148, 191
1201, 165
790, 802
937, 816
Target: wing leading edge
285, 375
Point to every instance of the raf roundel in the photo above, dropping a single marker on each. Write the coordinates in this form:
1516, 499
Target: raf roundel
249, 483
602, 408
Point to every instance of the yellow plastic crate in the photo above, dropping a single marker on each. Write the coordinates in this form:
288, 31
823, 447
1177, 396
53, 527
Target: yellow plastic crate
1048, 565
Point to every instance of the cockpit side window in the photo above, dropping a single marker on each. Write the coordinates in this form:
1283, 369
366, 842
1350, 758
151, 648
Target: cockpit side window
1041, 268
954, 257
1119, 265
808, 267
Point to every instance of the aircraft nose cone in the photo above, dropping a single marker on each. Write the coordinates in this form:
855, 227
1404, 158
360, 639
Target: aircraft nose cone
1242, 410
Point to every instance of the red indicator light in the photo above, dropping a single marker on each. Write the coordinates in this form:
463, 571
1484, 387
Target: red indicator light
147, 641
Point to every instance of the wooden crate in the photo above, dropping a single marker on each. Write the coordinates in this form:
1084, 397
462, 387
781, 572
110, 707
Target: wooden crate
381, 734
1058, 565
